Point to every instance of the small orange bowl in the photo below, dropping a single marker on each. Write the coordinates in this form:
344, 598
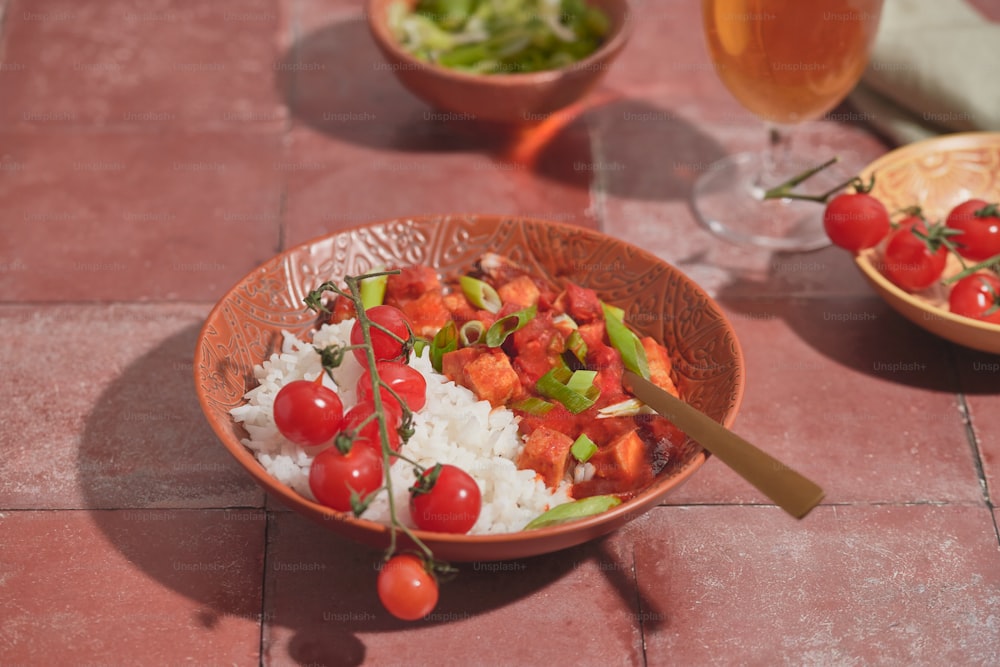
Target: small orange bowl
503, 98
936, 174
245, 327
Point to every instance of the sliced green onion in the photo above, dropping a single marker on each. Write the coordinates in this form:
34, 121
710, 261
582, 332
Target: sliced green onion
418, 346
613, 311
480, 294
505, 326
583, 448
581, 381
576, 345
627, 408
373, 290
471, 333
445, 340
563, 318
533, 406
578, 509
626, 342
554, 385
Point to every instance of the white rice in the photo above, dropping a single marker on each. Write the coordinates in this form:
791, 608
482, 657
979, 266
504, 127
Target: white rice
453, 427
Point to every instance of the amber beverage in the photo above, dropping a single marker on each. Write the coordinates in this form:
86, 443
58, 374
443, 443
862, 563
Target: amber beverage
790, 60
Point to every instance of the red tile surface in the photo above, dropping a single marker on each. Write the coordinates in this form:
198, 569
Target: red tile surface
151, 154
136, 216
819, 375
979, 375
109, 419
150, 67
899, 585
576, 607
130, 587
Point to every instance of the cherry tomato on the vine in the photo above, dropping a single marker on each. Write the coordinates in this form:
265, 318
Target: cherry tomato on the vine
976, 296
333, 475
370, 432
307, 413
405, 380
383, 345
979, 224
912, 262
451, 505
855, 221
406, 589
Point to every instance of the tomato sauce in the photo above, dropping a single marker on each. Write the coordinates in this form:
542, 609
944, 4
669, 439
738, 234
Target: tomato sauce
630, 449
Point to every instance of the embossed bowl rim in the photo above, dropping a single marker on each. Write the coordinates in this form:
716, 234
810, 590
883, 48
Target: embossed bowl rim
718, 337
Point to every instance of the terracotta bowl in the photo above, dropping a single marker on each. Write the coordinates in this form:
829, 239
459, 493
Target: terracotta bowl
504, 98
936, 174
245, 327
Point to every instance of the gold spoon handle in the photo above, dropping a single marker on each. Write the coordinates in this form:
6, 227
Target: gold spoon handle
789, 490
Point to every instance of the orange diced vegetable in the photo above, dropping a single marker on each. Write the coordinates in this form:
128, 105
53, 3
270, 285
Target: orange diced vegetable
521, 291
491, 376
546, 451
660, 366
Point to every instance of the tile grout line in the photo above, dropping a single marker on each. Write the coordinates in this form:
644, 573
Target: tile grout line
973, 442
264, 618
638, 606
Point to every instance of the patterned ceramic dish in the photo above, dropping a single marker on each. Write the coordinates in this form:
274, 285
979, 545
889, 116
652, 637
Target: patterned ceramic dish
505, 98
245, 327
936, 174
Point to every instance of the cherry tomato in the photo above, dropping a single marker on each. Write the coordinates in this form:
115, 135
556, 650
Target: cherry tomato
451, 505
383, 345
979, 222
404, 380
370, 431
855, 221
914, 263
976, 296
307, 413
333, 475
405, 587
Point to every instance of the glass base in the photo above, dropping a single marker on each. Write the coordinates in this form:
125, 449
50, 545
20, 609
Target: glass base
728, 200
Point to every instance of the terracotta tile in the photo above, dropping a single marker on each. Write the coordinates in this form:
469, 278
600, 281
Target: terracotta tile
576, 607
820, 374
916, 585
150, 67
131, 587
110, 418
136, 216
979, 375
332, 188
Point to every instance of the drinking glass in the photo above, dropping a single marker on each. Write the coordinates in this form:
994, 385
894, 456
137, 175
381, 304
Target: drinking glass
787, 61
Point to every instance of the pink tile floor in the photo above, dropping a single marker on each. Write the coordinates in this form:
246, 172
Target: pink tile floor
151, 154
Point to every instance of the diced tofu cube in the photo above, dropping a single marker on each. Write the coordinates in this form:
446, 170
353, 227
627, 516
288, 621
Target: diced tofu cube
659, 366
453, 363
546, 452
623, 459
492, 378
521, 291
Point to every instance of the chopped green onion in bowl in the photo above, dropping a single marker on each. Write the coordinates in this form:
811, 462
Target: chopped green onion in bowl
499, 36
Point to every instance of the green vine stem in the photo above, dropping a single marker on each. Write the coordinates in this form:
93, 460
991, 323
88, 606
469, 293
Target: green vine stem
992, 263
314, 301
785, 190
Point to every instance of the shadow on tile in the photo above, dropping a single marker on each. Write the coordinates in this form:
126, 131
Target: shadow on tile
321, 606
333, 81
170, 500
859, 333
162, 489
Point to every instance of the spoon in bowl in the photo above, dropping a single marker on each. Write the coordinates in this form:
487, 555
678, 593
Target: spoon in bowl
789, 490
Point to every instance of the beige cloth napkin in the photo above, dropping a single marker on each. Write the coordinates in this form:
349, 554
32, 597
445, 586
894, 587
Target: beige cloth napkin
934, 69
